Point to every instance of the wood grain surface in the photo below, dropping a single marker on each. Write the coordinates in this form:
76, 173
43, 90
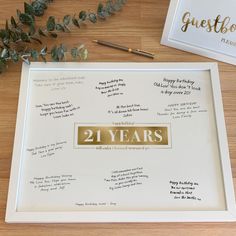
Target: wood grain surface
140, 25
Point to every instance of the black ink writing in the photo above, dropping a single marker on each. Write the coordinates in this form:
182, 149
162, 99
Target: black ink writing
111, 88
46, 151
52, 182
184, 190
182, 110
96, 204
127, 110
126, 178
62, 83
181, 87
56, 110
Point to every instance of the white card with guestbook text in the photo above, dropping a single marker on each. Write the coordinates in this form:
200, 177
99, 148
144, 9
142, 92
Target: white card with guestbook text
207, 28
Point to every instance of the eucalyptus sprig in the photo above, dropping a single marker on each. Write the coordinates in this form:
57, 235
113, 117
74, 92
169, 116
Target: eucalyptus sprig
21, 32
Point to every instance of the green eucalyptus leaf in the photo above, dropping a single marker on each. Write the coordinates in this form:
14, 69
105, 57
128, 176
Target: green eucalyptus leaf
75, 22
14, 56
34, 54
79, 52
112, 6
92, 17
67, 29
60, 28
109, 7
83, 15
54, 54
4, 53
36, 39
61, 52
28, 9
7, 31
38, 8
43, 3
51, 23
43, 51
41, 32
26, 19
83, 53
13, 22
116, 6
32, 30
14, 36
63, 47
6, 43
25, 59
81, 46
25, 37
74, 53
2, 33
100, 11
67, 19
53, 35
58, 53
100, 8
18, 12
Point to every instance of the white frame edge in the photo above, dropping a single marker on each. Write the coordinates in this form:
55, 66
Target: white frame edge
12, 216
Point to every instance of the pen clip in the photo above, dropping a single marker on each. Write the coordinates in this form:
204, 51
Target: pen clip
149, 53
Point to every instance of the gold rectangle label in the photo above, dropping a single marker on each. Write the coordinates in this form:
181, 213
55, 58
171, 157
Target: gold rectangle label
122, 135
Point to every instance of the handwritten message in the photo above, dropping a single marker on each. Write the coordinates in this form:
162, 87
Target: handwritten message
61, 83
184, 190
96, 204
52, 182
61, 109
182, 110
111, 88
46, 151
126, 178
181, 87
127, 110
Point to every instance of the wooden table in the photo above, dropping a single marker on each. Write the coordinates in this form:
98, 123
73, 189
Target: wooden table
139, 25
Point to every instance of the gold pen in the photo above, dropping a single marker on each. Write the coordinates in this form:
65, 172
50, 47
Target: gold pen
124, 48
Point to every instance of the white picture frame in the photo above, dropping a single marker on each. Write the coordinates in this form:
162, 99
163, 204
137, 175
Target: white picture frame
203, 40
26, 97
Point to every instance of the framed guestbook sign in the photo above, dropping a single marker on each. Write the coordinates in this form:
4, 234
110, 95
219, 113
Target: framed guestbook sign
207, 28
120, 142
